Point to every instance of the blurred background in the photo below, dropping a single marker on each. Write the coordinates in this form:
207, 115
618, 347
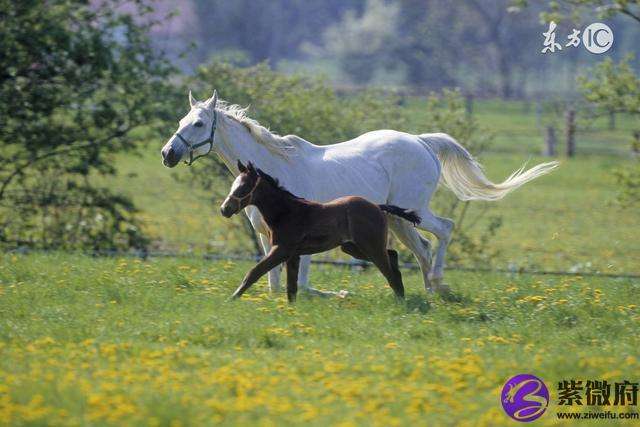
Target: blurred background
487, 48
91, 90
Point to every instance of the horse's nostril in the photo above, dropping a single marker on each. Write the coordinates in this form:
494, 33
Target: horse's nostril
170, 153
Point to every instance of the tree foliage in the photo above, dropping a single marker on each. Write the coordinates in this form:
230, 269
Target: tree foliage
559, 10
612, 87
77, 79
615, 87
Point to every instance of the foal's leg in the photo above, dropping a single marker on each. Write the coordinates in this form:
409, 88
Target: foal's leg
393, 260
274, 273
351, 249
258, 224
381, 260
375, 251
416, 243
293, 263
276, 256
388, 267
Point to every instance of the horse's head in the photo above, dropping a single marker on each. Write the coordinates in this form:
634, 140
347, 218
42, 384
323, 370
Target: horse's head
242, 190
195, 136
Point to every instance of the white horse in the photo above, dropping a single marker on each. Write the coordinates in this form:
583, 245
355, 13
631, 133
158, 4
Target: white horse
383, 166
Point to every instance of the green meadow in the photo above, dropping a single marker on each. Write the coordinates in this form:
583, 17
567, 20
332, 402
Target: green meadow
118, 341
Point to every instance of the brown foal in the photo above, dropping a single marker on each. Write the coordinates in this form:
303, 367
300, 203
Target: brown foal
301, 227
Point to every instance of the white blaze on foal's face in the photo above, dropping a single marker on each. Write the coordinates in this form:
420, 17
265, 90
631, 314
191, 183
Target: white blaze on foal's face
239, 187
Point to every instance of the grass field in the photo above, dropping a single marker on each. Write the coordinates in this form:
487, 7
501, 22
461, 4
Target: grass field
97, 341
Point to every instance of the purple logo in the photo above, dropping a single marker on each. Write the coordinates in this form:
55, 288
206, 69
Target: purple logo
525, 397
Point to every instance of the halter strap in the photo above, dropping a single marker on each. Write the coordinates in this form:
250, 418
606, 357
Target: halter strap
239, 200
192, 147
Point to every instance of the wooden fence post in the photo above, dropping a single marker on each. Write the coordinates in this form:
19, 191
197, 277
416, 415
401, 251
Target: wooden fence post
570, 129
550, 142
469, 103
635, 144
612, 120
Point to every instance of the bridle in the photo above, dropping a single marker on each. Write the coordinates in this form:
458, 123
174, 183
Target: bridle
240, 200
193, 147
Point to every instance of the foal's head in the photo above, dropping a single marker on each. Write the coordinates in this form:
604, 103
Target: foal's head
242, 190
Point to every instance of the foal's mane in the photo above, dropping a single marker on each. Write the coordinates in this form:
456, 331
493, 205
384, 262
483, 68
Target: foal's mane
284, 146
276, 184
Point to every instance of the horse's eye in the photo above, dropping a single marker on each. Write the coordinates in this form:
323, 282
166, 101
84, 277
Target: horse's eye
198, 124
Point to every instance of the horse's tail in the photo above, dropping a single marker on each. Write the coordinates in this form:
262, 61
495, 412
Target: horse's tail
410, 216
463, 175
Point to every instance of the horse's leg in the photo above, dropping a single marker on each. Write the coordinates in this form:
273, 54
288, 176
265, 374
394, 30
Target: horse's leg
293, 263
303, 281
416, 243
442, 228
276, 256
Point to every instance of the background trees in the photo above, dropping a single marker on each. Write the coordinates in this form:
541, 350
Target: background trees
78, 84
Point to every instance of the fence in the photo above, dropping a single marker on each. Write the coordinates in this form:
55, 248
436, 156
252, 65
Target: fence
356, 264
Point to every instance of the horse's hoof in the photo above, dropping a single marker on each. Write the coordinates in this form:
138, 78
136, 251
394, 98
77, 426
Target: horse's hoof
324, 294
439, 287
443, 289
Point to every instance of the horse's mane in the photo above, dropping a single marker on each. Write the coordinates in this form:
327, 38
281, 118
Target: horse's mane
284, 146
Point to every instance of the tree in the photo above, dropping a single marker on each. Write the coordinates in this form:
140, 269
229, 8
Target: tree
264, 30
434, 43
360, 41
77, 80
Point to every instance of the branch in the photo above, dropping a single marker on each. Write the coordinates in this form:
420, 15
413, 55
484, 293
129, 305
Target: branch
68, 149
630, 14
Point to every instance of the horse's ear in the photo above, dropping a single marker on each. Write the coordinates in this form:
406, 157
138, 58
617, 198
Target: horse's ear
241, 167
192, 100
213, 101
251, 168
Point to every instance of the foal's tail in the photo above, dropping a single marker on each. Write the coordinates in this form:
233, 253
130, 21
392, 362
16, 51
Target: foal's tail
463, 175
410, 216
